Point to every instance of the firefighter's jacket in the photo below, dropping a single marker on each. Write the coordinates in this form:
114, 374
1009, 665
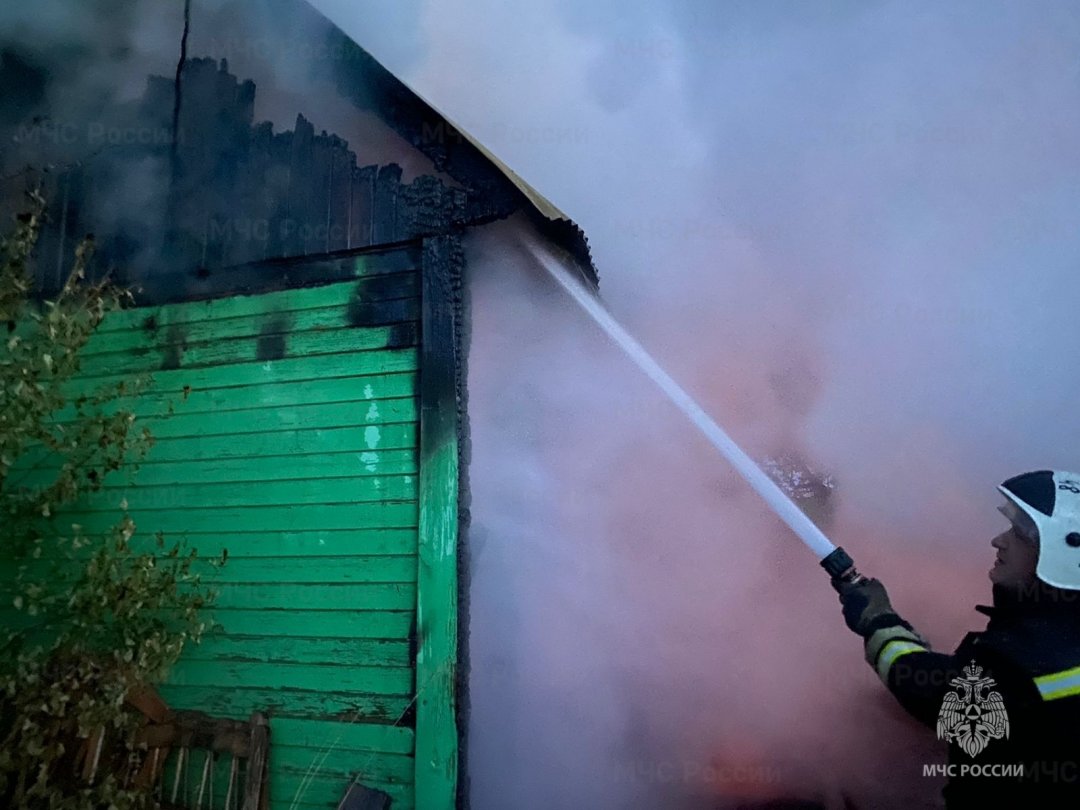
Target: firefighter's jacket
1014, 742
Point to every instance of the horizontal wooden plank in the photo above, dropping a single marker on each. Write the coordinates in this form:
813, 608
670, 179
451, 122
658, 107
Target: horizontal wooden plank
314, 570
274, 675
262, 418
268, 345
323, 466
236, 570
301, 791
337, 651
356, 439
286, 443
279, 625
290, 597
268, 395
262, 493
316, 622
330, 310
363, 267
378, 515
293, 598
345, 735
333, 760
325, 806
302, 543
289, 369
239, 703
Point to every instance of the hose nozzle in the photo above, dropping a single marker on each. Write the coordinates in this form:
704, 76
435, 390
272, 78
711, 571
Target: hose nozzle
841, 568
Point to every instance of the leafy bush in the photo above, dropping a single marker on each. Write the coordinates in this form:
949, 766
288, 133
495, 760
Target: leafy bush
90, 617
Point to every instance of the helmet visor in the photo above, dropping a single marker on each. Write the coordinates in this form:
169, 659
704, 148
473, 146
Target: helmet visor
1021, 521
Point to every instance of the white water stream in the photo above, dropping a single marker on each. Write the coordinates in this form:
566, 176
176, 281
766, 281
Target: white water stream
775, 497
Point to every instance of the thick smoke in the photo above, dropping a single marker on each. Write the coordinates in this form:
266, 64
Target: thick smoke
65, 68
644, 632
71, 75
90, 97
850, 231
291, 63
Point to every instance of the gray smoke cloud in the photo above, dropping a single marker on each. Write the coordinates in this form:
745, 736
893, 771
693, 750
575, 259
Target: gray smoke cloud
849, 229
82, 118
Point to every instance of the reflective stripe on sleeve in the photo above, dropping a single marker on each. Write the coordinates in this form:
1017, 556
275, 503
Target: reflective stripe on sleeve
1059, 684
877, 641
890, 652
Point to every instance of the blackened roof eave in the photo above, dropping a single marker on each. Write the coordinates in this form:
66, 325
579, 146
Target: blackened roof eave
363, 79
566, 234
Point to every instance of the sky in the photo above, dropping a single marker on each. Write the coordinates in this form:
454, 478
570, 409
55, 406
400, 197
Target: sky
850, 230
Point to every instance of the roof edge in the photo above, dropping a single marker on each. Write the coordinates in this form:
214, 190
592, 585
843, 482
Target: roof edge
452, 149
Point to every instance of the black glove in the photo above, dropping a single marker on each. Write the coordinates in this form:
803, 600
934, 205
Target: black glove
867, 607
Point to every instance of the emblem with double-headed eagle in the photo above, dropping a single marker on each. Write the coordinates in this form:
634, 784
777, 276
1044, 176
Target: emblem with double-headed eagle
969, 717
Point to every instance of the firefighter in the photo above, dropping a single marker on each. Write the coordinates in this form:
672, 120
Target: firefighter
1008, 699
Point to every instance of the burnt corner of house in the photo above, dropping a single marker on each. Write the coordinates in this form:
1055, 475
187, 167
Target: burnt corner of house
271, 341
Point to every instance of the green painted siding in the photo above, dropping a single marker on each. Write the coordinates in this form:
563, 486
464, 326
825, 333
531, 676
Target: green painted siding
288, 433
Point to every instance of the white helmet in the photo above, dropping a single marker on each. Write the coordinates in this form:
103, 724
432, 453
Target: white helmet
1050, 499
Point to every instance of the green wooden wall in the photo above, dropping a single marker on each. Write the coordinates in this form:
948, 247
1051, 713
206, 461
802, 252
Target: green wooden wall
288, 433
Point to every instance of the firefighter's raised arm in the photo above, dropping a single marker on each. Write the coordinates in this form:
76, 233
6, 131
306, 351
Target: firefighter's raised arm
914, 673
